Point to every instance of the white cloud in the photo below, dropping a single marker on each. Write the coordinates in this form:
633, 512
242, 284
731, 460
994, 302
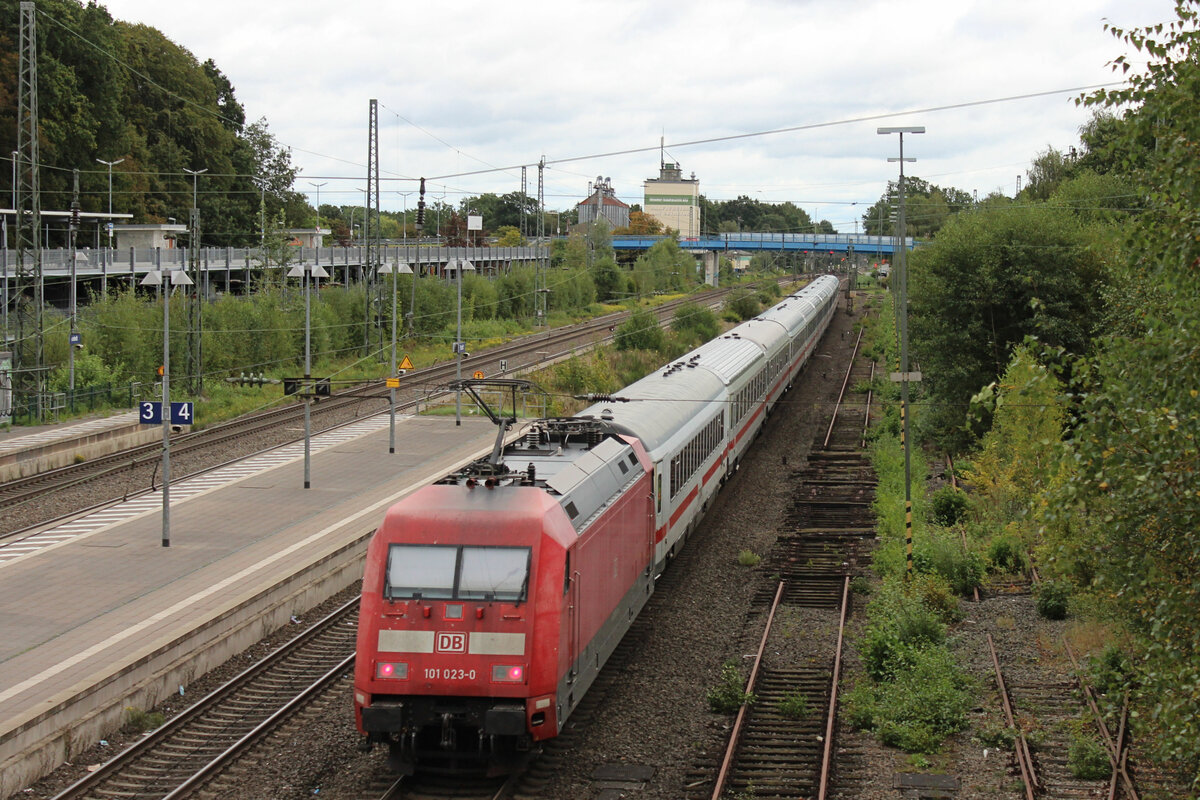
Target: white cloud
507, 83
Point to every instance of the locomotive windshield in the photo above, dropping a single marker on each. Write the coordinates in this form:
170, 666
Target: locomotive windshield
439, 572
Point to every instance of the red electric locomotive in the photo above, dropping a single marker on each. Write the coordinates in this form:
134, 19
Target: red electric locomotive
492, 598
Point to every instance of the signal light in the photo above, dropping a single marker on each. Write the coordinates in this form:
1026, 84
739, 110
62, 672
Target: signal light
508, 674
160, 371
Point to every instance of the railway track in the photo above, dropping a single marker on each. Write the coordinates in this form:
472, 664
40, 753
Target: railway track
135, 470
1048, 713
194, 748
782, 744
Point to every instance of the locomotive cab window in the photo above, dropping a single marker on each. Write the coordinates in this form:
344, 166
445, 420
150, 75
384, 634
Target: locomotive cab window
434, 572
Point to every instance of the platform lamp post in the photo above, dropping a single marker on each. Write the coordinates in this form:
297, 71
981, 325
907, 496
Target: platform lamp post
304, 270
165, 279
108, 254
404, 225
459, 346
902, 270
387, 269
318, 187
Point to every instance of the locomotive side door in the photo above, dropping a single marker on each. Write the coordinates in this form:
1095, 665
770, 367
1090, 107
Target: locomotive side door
571, 590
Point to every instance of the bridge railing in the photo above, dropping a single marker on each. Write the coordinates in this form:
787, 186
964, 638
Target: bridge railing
57, 261
749, 240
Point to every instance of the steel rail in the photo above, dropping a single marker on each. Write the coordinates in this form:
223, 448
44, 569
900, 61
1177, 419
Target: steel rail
1115, 756
731, 749
260, 731
827, 754
196, 712
842, 391
1024, 759
862, 442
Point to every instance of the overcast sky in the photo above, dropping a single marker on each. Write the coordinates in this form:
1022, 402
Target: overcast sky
469, 85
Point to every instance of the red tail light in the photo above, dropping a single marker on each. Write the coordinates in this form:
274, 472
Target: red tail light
508, 674
391, 670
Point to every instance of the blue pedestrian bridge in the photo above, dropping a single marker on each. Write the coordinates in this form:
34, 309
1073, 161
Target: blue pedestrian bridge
790, 242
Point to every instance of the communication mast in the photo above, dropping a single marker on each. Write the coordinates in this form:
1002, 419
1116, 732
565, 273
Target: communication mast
372, 221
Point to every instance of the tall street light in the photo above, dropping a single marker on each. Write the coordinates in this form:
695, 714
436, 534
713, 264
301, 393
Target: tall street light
165, 279
318, 187
196, 326
460, 348
262, 211
108, 256
386, 269
195, 173
303, 270
902, 269
404, 227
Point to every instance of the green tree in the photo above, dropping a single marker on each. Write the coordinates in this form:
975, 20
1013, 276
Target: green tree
114, 90
927, 208
608, 281
1048, 171
509, 236
985, 283
1136, 443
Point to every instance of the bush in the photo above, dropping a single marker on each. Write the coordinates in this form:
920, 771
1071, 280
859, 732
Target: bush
749, 558
1006, 555
893, 641
949, 505
794, 705
139, 721
640, 332
926, 702
729, 695
695, 323
1110, 672
742, 306
944, 556
1087, 759
1052, 598
937, 595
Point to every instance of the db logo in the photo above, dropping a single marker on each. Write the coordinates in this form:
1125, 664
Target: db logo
451, 643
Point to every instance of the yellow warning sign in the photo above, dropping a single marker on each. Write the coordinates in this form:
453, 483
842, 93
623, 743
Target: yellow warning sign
392, 383
478, 375
406, 363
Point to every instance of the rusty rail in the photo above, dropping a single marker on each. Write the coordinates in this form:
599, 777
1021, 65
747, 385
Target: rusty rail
827, 755
1024, 758
842, 392
1115, 749
731, 749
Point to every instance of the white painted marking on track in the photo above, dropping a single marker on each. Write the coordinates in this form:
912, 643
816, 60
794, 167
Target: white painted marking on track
184, 490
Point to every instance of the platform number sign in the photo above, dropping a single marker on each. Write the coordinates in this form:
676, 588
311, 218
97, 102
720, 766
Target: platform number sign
150, 413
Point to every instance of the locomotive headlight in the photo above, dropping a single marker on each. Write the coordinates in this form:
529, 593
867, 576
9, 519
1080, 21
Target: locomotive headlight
508, 674
391, 670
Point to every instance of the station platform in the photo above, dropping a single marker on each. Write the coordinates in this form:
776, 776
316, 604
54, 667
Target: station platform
96, 615
27, 451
